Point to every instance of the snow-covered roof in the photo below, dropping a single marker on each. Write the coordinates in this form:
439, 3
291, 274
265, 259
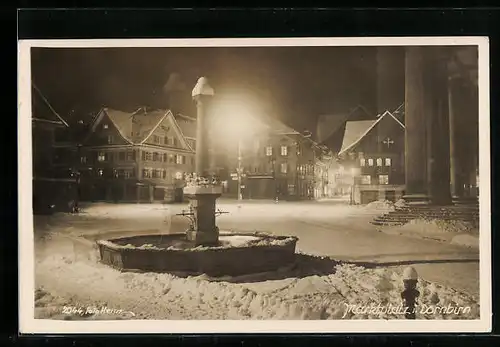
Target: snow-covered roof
141, 123
187, 125
43, 110
356, 130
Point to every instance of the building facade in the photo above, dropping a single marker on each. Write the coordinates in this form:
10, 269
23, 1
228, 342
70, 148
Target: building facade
53, 189
275, 162
139, 156
372, 154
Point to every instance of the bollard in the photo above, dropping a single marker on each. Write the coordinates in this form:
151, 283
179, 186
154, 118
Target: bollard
410, 292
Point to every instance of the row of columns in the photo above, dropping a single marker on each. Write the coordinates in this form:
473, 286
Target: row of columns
441, 136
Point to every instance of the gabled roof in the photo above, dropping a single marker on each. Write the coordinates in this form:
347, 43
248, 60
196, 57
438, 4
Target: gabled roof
43, 110
187, 125
280, 128
356, 130
135, 127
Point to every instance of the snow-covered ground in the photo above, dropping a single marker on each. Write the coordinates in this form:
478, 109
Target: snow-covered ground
69, 277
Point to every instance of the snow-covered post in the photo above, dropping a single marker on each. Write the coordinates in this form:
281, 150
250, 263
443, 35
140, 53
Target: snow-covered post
410, 292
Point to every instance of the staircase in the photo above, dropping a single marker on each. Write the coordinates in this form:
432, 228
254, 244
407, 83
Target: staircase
404, 214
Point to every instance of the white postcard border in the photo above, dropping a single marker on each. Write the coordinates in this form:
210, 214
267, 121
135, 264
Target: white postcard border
27, 323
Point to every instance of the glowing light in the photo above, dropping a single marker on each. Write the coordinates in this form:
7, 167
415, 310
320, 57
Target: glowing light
178, 175
235, 116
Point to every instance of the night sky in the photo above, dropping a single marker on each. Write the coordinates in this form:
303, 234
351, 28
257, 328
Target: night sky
294, 84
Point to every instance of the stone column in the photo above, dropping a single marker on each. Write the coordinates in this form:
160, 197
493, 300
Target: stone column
203, 197
463, 147
436, 109
415, 127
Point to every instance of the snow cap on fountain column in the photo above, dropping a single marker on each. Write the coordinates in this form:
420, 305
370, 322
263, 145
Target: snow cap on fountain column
202, 88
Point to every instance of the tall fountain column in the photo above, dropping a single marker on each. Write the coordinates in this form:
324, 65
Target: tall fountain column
203, 193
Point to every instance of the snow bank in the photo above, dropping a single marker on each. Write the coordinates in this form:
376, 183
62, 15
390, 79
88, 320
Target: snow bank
466, 240
382, 205
400, 203
64, 282
437, 226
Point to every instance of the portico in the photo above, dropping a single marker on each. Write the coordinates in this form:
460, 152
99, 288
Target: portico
441, 119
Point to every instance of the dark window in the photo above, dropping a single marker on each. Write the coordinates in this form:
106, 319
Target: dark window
121, 155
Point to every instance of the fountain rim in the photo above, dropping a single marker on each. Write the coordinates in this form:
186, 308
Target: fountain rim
287, 240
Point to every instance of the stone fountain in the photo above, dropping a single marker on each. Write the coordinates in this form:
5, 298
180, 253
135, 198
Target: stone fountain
202, 249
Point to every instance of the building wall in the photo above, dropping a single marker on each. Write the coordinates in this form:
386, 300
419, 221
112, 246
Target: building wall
376, 163
271, 171
154, 170
42, 146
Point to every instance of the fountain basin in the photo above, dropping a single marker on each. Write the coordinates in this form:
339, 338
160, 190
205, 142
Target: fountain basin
236, 254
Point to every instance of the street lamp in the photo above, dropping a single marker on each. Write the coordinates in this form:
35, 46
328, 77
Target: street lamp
239, 171
235, 123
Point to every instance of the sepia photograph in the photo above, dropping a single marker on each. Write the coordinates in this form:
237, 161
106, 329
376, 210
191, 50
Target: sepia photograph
243, 185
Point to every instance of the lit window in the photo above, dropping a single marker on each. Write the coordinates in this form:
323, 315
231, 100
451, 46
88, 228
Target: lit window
362, 162
284, 168
284, 150
379, 161
370, 162
387, 161
105, 126
383, 179
146, 173
127, 174
269, 151
366, 179
180, 159
83, 160
101, 156
171, 158
100, 172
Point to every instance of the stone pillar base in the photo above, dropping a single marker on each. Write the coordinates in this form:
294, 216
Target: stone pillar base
203, 237
461, 201
416, 199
